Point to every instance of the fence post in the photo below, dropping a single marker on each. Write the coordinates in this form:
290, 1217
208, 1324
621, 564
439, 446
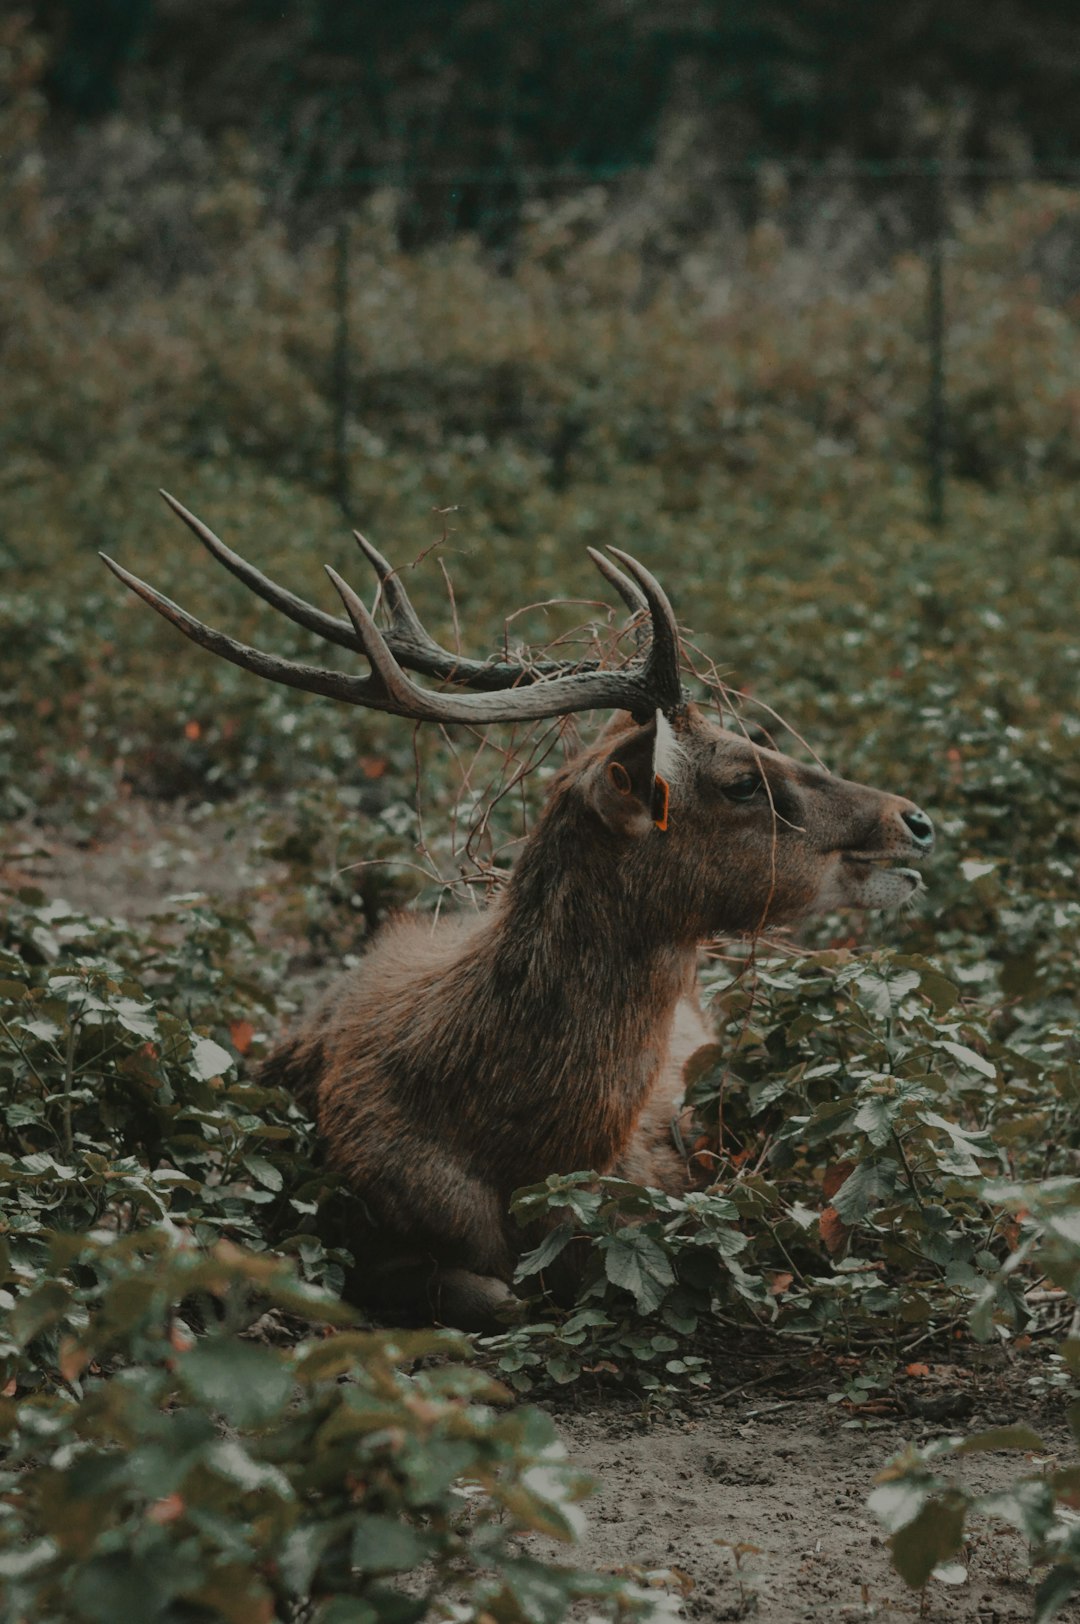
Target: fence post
936, 417
341, 368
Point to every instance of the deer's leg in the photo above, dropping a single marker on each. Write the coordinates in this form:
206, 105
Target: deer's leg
653, 1156
656, 1154
438, 1248
419, 1290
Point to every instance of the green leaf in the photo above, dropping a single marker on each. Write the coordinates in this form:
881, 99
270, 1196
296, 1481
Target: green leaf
875, 1118
264, 1172
931, 1538
542, 1593
249, 1385
967, 1057
300, 1553
899, 1501
209, 1059
884, 988
634, 1261
1017, 1437
869, 1186
348, 1610
549, 1249
121, 1586
431, 1466
387, 1545
135, 1017
231, 1460
1059, 1586
1027, 1503
940, 991
29, 1559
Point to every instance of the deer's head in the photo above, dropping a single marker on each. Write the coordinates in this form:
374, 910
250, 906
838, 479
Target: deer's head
735, 835
724, 832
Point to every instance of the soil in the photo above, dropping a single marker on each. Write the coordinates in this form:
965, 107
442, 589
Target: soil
760, 1507
752, 1502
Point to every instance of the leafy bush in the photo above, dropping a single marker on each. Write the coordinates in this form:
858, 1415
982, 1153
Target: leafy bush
174, 1476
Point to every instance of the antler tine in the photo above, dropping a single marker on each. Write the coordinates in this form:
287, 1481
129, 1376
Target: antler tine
278, 597
409, 699
634, 600
405, 622
661, 670
333, 684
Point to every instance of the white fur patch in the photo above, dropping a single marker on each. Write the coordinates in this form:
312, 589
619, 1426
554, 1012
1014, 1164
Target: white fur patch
668, 755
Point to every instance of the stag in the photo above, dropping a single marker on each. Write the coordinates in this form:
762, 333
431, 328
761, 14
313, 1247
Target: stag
464, 1059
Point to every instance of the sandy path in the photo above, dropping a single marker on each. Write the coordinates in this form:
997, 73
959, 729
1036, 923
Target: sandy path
789, 1479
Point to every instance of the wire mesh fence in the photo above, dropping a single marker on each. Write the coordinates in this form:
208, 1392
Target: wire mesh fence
910, 204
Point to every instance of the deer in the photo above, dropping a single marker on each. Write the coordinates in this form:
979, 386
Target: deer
466, 1059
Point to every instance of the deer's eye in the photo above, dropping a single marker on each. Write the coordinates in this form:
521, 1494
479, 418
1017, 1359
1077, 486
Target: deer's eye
744, 788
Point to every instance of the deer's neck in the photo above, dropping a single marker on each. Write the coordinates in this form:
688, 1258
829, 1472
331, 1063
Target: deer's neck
583, 978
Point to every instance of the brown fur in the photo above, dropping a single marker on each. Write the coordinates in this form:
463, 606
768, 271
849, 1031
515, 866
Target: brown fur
463, 1060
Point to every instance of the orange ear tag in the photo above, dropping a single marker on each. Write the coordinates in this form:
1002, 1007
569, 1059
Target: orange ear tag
661, 798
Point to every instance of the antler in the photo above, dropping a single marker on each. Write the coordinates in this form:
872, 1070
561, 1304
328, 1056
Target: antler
521, 692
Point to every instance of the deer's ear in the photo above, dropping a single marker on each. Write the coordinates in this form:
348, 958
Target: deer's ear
626, 786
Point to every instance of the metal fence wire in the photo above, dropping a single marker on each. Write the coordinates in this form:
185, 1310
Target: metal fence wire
491, 204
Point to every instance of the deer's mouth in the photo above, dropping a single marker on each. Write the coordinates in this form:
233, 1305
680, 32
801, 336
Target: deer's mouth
897, 865
883, 859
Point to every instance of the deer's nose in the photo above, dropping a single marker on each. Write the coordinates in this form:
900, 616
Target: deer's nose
919, 826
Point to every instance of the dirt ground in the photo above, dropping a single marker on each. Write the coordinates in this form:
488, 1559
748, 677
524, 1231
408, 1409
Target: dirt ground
762, 1507
754, 1497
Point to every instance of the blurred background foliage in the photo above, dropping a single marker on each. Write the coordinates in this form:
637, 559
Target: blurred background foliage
476, 82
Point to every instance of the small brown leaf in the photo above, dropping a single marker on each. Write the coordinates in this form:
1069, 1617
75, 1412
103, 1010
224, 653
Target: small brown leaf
192, 730
166, 1510
835, 1176
917, 1370
241, 1033
73, 1360
780, 1283
833, 1230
